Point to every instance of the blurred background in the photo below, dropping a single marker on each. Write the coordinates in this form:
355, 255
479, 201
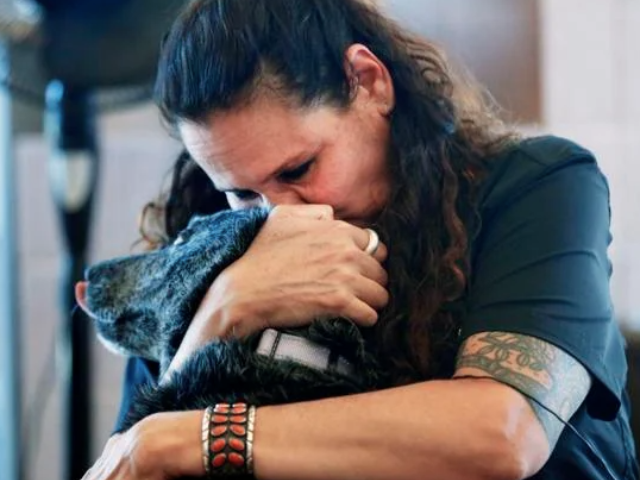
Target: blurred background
569, 67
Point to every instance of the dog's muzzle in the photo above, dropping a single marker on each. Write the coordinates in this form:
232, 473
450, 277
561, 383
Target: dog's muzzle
283, 346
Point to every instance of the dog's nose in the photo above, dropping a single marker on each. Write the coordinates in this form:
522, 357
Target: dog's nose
81, 296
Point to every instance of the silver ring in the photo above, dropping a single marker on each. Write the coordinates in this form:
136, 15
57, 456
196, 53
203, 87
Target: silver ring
374, 242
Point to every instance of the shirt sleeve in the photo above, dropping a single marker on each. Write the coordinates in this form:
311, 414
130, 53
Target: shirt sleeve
541, 269
138, 372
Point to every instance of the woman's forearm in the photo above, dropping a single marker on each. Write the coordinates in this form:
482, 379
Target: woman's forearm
444, 430
461, 429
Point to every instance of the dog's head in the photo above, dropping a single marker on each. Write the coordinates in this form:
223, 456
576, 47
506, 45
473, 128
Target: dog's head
142, 304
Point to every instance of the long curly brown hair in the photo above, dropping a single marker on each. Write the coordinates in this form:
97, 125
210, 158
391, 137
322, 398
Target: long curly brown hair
444, 128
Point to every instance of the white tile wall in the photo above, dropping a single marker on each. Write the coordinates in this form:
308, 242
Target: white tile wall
628, 40
578, 62
591, 90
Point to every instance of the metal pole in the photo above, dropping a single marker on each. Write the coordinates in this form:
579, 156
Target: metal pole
73, 170
10, 464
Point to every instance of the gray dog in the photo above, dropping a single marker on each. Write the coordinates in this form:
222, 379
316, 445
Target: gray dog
142, 306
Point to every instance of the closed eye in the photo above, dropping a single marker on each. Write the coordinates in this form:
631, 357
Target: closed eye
296, 173
244, 194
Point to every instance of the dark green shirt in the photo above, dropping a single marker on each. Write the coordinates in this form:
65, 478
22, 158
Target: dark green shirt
540, 267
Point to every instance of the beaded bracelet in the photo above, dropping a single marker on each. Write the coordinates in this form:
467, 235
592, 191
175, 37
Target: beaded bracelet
227, 439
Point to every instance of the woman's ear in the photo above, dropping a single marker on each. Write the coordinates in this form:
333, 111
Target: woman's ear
369, 76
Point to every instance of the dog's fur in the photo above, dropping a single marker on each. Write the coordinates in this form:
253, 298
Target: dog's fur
142, 305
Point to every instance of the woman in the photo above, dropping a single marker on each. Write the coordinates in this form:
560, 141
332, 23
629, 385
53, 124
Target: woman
488, 296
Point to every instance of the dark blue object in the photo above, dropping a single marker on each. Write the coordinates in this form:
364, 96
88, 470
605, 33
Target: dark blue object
75, 6
88, 43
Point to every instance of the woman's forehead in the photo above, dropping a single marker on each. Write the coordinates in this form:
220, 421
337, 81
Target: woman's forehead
261, 122
249, 143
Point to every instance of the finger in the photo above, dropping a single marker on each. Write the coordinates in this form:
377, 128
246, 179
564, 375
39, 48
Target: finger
112, 440
363, 237
100, 469
370, 267
94, 472
358, 303
381, 253
316, 212
359, 312
371, 293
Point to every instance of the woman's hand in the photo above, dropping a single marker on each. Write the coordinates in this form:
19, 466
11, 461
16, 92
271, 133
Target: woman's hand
303, 265
160, 447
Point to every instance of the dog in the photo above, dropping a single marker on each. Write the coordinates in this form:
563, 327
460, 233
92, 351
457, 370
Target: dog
142, 305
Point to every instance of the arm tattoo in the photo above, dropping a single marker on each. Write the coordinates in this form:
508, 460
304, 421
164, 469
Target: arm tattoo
533, 367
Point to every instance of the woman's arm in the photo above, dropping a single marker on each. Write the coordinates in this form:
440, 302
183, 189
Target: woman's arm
454, 429
486, 423
462, 428
468, 428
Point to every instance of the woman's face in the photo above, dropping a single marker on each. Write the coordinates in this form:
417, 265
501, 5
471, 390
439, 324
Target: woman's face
267, 153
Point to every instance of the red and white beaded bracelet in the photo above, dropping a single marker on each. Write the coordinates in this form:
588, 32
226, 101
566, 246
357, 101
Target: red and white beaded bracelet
227, 439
